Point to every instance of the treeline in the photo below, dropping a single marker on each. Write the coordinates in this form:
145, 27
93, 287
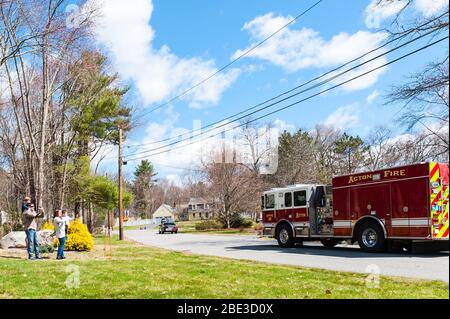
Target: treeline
59, 105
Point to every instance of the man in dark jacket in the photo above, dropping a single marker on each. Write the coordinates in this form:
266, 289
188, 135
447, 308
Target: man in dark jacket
30, 225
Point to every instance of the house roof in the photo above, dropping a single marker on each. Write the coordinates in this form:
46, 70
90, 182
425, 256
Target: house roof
196, 201
164, 211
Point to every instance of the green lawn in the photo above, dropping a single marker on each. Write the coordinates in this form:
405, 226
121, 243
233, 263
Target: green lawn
143, 272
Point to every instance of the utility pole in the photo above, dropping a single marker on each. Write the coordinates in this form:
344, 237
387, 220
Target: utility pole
120, 187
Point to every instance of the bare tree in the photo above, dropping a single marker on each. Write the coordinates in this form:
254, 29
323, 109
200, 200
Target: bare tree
382, 151
425, 94
418, 148
232, 187
36, 49
325, 161
257, 145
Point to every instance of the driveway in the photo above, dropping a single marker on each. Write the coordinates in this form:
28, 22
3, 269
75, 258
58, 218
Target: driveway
342, 258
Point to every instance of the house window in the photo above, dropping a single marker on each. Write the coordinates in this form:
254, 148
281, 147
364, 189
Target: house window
200, 215
200, 206
300, 198
193, 215
207, 215
190, 206
288, 199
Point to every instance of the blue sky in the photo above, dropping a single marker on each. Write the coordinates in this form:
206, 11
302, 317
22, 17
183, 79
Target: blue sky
162, 47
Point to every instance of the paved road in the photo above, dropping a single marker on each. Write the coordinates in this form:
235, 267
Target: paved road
341, 258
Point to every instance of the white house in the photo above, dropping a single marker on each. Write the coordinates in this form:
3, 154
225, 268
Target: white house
163, 212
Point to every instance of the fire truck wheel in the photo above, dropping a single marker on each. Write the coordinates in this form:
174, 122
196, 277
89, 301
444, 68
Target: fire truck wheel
371, 238
285, 237
329, 242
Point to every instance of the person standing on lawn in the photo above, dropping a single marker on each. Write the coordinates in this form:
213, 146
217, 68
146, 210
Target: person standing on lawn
60, 232
67, 220
30, 225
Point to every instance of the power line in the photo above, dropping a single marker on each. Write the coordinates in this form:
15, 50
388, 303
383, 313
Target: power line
290, 96
303, 100
233, 61
291, 90
177, 167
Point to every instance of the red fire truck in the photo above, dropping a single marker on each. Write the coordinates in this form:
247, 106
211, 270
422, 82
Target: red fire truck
401, 205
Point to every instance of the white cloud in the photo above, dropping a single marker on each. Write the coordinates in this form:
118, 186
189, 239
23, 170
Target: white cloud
283, 126
175, 180
158, 74
430, 7
344, 117
294, 50
373, 96
377, 12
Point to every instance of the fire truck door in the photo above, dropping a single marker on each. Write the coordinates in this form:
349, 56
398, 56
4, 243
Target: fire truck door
401, 209
371, 200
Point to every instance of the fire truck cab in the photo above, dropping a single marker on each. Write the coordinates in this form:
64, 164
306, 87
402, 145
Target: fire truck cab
298, 212
400, 205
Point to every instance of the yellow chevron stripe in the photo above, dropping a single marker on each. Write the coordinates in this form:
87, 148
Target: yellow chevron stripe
444, 202
443, 229
434, 177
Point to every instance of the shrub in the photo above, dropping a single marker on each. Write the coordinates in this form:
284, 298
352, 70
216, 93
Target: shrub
46, 249
208, 224
79, 238
48, 226
242, 223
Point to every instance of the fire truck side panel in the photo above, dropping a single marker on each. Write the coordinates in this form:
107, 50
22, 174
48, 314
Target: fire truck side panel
341, 207
398, 197
418, 211
296, 215
370, 200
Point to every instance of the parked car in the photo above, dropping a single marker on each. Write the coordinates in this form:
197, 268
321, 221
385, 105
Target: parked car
168, 227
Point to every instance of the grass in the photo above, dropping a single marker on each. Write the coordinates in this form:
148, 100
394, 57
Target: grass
136, 271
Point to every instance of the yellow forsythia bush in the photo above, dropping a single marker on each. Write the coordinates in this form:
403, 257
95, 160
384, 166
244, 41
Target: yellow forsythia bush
79, 238
48, 226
